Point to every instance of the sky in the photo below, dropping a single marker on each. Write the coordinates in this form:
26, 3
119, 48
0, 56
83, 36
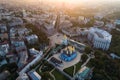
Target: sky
75, 2
67, 1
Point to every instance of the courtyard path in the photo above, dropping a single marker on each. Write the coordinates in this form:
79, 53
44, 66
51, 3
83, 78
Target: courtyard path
52, 74
74, 70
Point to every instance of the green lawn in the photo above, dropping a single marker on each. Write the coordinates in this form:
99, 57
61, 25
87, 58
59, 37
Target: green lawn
58, 75
78, 66
46, 68
69, 70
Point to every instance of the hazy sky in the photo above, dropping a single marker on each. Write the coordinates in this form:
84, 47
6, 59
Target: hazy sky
86, 2
69, 1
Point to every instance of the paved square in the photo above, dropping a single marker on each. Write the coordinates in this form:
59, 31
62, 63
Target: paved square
68, 64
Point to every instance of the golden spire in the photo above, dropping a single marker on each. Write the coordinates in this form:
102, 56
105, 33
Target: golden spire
73, 48
65, 37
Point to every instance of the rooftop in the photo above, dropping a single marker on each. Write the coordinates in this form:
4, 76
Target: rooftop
117, 21
32, 37
34, 75
4, 48
101, 33
84, 72
3, 28
33, 51
17, 43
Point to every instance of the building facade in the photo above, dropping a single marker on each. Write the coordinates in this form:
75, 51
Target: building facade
99, 38
84, 73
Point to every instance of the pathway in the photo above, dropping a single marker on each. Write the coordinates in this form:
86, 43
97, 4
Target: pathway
74, 70
52, 74
86, 62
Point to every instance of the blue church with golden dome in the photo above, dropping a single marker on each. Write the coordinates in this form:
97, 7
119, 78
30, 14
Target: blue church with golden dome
68, 54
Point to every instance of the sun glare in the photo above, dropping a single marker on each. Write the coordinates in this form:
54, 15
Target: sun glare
69, 1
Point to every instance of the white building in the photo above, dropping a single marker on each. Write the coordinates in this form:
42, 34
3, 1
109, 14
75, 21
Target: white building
33, 51
31, 39
23, 77
24, 13
23, 56
99, 38
33, 62
4, 49
117, 22
34, 75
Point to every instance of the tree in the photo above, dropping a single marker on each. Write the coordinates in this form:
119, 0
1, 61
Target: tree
43, 39
115, 43
88, 50
84, 57
12, 67
46, 76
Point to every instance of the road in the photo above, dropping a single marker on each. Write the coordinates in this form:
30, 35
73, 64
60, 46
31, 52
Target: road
57, 22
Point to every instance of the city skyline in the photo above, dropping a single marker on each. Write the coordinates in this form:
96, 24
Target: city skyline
59, 40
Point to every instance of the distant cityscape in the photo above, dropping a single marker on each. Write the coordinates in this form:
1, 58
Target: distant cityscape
58, 42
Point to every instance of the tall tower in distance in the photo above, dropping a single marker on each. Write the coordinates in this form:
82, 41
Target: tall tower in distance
24, 13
